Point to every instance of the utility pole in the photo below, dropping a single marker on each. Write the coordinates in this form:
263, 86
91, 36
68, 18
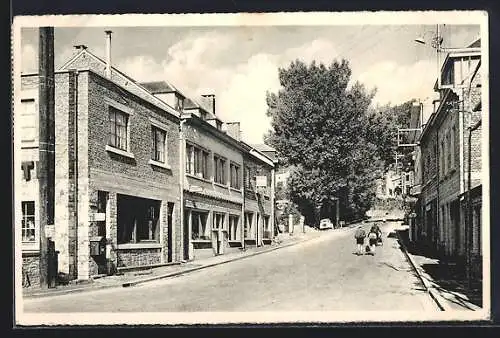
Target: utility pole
46, 145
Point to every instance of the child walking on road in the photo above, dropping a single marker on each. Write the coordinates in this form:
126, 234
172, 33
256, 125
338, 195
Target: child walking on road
360, 235
372, 240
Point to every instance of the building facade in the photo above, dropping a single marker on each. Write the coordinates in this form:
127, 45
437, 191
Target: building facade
144, 176
442, 184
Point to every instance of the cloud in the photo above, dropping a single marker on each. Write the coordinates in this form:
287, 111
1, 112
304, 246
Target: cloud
193, 65
399, 83
29, 58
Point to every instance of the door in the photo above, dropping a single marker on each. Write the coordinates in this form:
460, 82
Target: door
185, 232
170, 246
102, 202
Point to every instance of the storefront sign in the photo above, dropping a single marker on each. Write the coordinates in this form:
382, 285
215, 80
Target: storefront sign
50, 231
97, 217
261, 181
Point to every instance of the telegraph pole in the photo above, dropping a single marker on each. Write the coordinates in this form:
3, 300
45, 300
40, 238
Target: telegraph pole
46, 147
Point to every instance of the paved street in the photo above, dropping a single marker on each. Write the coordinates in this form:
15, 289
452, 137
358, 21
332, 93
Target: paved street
323, 274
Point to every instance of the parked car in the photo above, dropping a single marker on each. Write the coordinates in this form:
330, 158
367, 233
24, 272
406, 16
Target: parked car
325, 223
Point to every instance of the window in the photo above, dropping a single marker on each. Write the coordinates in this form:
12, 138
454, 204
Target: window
218, 221
448, 152
28, 221
441, 159
199, 229
248, 225
179, 102
235, 175
28, 119
196, 161
234, 222
159, 137
220, 170
118, 129
452, 150
248, 177
138, 219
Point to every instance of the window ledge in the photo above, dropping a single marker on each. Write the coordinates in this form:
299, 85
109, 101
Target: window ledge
160, 164
197, 177
144, 245
201, 241
221, 185
27, 144
235, 189
119, 151
30, 248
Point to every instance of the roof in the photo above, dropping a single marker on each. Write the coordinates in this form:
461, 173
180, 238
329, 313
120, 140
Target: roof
137, 88
158, 87
475, 44
263, 147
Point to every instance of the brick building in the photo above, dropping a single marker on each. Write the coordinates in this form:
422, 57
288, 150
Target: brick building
443, 155
114, 149
144, 175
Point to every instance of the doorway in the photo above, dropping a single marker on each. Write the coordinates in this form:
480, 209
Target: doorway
170, 227
185, 236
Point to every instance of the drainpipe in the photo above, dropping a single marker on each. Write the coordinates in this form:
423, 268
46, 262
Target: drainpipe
181, 187
469, 226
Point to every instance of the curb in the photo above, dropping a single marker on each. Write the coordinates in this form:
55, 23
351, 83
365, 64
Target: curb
427, 286
65, 292
171, 274
179, 273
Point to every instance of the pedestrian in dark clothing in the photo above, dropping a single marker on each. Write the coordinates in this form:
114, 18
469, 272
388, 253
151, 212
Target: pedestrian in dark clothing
372, 240
360, 235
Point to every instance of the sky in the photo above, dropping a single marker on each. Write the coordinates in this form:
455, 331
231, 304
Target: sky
239, 64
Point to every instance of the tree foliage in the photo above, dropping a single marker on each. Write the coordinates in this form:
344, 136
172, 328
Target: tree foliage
323, 126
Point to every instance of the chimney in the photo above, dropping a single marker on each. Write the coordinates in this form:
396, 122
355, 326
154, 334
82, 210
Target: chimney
233, 130
108, 54
80, 47
211, 97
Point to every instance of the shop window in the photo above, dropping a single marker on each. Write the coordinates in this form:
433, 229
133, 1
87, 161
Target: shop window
199, 229
138, 219
28, 221
234, 221
218, 221
248, 229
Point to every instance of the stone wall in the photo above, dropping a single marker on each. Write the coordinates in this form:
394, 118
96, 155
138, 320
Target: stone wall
31, 270
138, 257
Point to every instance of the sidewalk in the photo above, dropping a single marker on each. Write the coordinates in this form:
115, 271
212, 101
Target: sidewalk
445, 281
136, 277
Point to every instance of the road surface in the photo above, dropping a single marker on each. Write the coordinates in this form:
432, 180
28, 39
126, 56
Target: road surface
323, 274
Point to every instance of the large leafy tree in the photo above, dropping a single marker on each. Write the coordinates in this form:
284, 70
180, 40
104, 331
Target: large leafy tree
321, 125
